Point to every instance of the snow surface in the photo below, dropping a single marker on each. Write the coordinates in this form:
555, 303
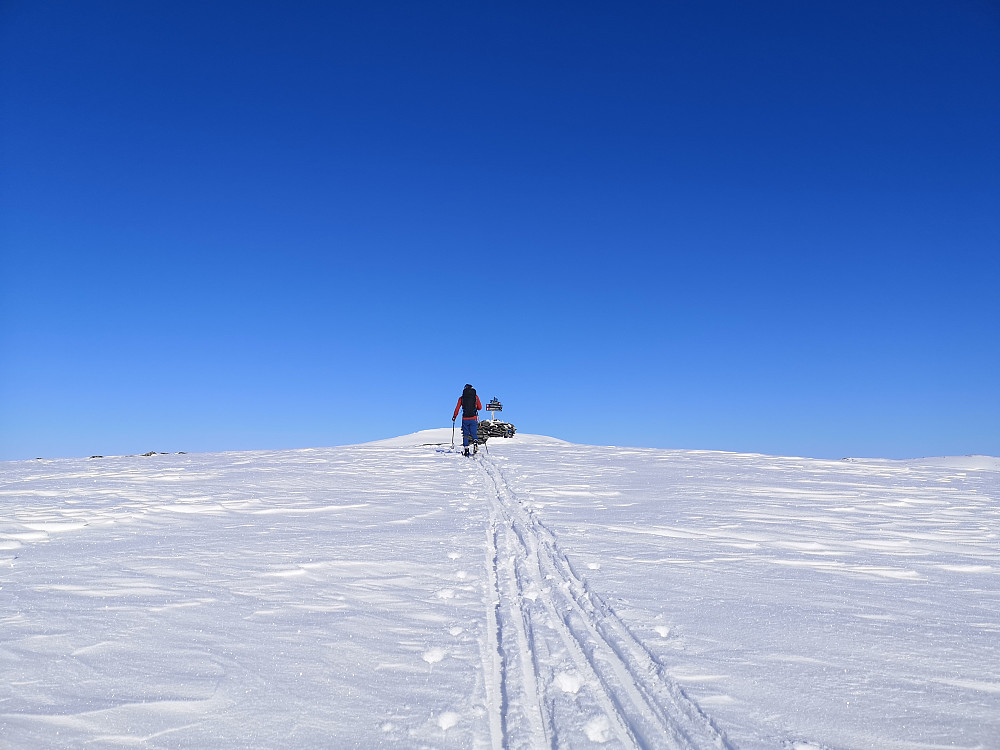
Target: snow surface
398, 595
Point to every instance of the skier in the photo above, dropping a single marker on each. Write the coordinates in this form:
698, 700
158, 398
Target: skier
470, 405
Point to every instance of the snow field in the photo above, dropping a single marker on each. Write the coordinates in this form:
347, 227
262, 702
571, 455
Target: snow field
266, 600
396, 594
848, 603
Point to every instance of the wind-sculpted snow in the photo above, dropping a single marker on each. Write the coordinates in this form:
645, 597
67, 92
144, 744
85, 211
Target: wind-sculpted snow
545, 594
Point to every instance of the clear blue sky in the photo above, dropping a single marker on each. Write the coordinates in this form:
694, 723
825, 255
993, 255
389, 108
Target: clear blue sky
767, 226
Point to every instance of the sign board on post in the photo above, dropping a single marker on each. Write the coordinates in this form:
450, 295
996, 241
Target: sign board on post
494, 405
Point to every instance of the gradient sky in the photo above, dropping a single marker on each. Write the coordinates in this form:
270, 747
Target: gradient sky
768, 226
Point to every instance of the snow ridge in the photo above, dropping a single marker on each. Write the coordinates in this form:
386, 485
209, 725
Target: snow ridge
560, 650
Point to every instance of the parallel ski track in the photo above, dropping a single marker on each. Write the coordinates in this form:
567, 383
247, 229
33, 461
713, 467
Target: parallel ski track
538, 602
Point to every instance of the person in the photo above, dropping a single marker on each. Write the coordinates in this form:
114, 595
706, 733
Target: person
470, 405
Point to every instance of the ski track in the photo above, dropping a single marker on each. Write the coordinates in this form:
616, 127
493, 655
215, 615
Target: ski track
563, 670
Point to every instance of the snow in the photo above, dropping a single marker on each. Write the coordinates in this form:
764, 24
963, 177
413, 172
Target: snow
544, 594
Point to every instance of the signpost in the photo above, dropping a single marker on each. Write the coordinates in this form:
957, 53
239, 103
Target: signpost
493, 427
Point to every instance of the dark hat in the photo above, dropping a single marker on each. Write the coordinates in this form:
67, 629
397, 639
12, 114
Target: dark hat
468, 385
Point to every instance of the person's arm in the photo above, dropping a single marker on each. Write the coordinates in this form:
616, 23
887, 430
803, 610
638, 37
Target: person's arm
457, 407
479, 404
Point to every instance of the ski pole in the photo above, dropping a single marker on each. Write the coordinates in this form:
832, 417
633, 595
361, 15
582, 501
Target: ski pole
453, 434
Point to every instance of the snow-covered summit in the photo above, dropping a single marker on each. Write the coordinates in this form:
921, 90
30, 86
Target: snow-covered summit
544, 594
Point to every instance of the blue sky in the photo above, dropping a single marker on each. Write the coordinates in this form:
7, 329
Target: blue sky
768, 226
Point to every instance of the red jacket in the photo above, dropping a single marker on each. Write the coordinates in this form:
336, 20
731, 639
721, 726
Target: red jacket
458, 406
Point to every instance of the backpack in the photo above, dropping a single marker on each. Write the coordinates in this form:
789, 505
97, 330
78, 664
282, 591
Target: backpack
469, 402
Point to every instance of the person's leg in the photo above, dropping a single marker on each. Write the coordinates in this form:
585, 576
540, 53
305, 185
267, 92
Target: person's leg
466, 434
